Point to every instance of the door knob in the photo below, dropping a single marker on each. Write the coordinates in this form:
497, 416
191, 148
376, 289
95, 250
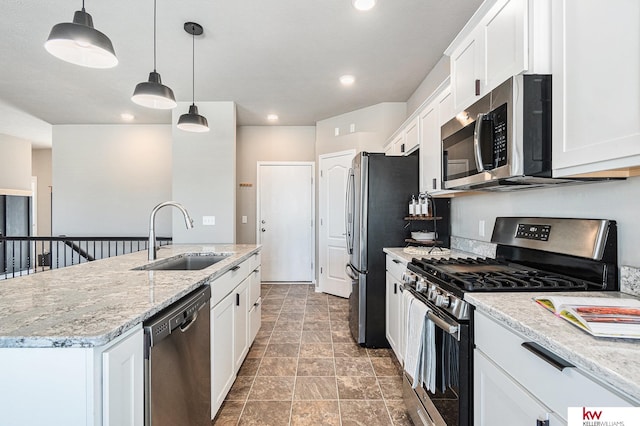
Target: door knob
263, 230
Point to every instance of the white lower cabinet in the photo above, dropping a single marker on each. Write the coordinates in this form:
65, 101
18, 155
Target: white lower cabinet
223, 371
235, 320
123, 382
518, 382
74, 386
241, 323
393, 306
500, 400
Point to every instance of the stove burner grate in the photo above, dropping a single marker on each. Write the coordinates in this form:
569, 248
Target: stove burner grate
492, 275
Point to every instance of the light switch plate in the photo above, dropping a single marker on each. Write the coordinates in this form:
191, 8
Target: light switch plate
244, 219
208, 220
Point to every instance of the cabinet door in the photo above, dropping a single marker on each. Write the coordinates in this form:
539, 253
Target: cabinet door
255, 314
467, 72
430, 149
222, 344
411, 136
392, 314
241, 323
396, 145
123, 382
596, 102
254, 287
499, 400
505, 31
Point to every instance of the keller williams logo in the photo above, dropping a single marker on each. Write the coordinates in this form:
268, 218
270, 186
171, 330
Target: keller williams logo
591, 415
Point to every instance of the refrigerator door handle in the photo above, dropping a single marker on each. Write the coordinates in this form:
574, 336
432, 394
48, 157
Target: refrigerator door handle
348, 212
351, 273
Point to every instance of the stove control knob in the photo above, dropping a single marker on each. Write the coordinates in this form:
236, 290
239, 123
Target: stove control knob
408, 278
443, 301
421, 285
433, 293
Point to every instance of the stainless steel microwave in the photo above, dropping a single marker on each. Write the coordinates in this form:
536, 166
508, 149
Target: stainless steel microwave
503, 141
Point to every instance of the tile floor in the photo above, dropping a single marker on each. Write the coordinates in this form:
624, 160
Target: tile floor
305, 369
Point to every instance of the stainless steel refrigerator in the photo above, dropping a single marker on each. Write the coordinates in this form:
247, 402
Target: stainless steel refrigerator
379, 188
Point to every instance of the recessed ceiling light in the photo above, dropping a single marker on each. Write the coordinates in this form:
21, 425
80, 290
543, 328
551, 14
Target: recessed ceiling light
272, 117
363, 4
347, 80
126, 116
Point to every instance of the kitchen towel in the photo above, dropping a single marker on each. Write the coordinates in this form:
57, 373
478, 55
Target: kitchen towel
414, 342
429, 367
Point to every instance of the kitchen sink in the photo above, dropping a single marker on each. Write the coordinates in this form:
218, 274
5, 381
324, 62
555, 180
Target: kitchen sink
184, 262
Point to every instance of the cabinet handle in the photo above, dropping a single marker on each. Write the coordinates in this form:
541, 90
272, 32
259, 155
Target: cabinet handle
395, 260
237, 299
547, 355
434, 183
477, 87
402, 148
235, 268
395, 288
542, 422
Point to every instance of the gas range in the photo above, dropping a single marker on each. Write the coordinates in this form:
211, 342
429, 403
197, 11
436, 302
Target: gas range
532, 254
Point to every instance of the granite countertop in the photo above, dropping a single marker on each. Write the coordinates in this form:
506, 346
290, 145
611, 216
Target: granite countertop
92, 303
612, 361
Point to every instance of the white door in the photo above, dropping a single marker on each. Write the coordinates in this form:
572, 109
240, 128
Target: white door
285, 225
334, 170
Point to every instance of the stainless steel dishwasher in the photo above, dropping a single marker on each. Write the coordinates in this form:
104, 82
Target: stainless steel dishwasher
178, 363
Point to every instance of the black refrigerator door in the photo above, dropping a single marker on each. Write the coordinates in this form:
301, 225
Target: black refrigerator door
382, 187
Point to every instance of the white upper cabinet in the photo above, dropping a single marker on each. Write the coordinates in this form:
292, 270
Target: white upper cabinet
467, 71
436, 112
503, 38
405, 140
596, 88
430, 149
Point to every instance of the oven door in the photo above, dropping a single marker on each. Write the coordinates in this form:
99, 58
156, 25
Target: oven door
449, 404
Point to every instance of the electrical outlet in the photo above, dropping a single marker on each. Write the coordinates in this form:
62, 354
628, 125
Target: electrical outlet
244, 219
352, 127
481, 228
336, 131
208, 220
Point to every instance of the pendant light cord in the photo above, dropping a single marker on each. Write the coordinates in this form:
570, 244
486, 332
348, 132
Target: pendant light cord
154, 35
193, 65
83, 5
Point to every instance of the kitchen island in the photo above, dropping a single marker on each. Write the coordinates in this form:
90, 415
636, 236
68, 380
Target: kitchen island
66, 334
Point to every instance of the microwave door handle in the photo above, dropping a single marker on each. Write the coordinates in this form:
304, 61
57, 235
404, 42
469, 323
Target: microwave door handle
477, 149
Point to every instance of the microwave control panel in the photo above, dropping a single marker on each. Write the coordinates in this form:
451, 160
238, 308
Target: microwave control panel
533, 232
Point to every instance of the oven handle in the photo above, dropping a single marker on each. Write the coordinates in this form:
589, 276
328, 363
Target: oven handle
426, 422
452, 329
477, 132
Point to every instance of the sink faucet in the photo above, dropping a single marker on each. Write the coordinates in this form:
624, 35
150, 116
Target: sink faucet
152, 224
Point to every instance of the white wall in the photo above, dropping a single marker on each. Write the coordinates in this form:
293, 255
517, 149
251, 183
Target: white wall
373, 125
15, 171
436, 76
41, 168
265, 143
609, 200
107, 179
204, 171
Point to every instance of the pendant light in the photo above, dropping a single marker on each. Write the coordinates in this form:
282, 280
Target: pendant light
79, 43
152, 93
192, 121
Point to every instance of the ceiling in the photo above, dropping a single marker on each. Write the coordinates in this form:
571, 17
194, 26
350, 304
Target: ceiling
268, 56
